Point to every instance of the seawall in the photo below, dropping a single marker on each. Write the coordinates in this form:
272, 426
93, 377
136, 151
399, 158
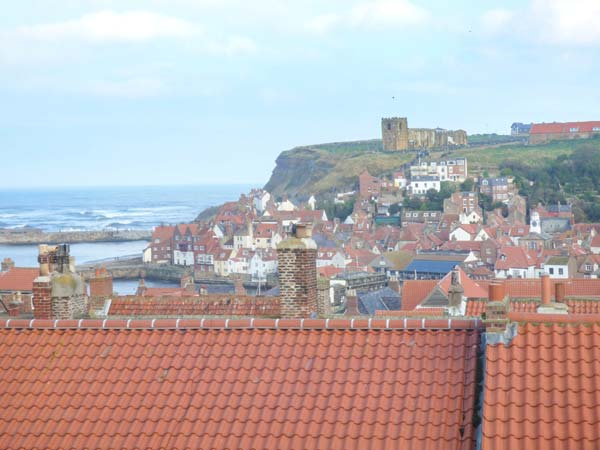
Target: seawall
34, 236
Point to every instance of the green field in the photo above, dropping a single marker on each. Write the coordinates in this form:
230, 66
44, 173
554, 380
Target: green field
490, 158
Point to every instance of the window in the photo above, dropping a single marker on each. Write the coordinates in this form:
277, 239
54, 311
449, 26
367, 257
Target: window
588, 267
574, 129
560, 271
595, 128
551, 270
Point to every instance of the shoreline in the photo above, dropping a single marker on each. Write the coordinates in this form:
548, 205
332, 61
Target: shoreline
35, 237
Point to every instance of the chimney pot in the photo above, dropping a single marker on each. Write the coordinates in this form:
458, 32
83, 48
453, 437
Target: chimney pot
546, 289
496, 292
560, 292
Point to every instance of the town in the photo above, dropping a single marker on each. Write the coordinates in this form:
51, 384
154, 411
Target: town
380, 305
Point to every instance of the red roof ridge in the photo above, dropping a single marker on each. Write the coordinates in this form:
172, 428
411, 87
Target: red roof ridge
553, 318
406, 323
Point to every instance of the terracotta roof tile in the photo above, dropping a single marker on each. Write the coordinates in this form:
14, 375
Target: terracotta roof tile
543, 390
415, 291
237, 388
18, 279
563, 127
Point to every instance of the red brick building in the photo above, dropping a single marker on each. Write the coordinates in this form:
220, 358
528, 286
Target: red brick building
545, 132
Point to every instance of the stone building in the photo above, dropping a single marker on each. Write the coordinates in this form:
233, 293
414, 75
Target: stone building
394, 132
397, 136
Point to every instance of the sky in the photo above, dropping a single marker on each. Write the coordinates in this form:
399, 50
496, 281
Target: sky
164, 92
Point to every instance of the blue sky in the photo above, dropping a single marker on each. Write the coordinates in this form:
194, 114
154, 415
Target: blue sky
114, 92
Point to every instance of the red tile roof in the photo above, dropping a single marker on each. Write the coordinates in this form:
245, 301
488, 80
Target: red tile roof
18, 279
471, 288
558, 127
415, 291
532, 288
543, 390
250, 388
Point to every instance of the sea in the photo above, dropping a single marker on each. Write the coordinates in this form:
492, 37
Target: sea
105, 208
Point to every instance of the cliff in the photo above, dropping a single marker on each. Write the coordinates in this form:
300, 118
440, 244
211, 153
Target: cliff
327, 168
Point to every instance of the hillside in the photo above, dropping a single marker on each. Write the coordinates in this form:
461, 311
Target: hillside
326, 168
491, 157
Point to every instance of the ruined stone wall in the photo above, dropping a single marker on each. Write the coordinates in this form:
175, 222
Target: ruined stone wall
425, 138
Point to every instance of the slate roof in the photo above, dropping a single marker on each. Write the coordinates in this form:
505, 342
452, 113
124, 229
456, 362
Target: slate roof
249, 386
432, 266
386, 298
543, 390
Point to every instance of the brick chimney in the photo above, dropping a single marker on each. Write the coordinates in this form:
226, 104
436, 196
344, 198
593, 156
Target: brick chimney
496, 309
297, 264
58, 293
7, 264
456, 304
187, 283
352, 303
394, 284
101, 284
238, 285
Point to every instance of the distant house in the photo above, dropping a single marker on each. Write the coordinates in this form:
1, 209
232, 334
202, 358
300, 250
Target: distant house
560, 267
545, 132
497, 188
448, 170
515, 262
420, 185
520, 129
161, 245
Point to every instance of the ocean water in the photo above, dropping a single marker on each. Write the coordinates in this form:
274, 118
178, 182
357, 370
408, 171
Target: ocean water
109, 208
81, 209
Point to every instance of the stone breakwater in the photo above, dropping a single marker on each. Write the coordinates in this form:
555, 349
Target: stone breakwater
34, 236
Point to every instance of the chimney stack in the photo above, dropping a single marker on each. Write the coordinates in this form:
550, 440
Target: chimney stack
297, 265
59, 292
101, 284
238, 285
455, 294
496, 309
7, 264
352, 303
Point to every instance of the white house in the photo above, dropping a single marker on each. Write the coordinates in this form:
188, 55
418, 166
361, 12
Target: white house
262, 264
286, 205
261, 200
421, 184
330, 257
147, 255
471, 217
183, 257
558, 267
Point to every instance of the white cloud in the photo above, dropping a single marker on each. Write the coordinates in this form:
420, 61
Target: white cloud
569, 21
372, 14
111, 26
496, 20
234, 45
557, 22
127, 88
